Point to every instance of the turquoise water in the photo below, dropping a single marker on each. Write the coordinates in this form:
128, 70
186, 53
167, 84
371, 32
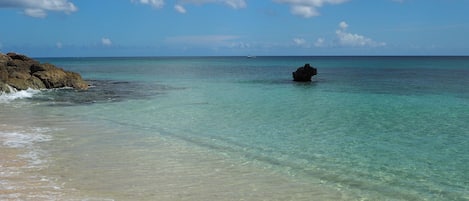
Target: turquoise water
371, 128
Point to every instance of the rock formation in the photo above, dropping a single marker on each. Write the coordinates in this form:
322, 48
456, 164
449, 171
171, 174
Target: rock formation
21, 72
304, 74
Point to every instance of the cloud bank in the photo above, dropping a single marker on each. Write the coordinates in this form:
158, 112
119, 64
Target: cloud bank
308, 8
106, 41
343, 38
180, 9
235, 4
204, 40
39, 8
299, 41
179, 6
354, 40
153, 3
320, 42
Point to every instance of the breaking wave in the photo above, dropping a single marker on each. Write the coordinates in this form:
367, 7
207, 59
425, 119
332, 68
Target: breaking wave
15, 94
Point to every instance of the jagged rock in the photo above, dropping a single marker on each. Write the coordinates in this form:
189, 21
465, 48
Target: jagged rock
21, 72
20, 57
304, 74
4, 88
53, 77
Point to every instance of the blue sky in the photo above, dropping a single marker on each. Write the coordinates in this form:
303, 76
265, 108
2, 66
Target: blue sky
43, 28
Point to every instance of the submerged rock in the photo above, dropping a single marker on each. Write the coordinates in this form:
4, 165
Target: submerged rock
304, 74
20, 72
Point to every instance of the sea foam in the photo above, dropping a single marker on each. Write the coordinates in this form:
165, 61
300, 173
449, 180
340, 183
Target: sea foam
22, 158
26, 140
15, 94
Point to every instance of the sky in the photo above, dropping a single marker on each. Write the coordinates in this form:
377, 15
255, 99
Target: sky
81, 28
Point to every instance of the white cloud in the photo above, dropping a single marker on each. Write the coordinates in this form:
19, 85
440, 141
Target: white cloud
241, 45
153, 3
35, 12
299, 41
179, 6
205, 41
305, 11
308, 8
320, 42
235, 4
354, 40
106, 41
39, 8
343, 25
180, 9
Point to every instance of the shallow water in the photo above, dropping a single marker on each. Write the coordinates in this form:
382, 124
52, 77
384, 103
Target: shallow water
230, 128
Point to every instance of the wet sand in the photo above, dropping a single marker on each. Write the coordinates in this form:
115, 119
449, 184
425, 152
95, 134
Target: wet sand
20, 169
174, 171
19, 180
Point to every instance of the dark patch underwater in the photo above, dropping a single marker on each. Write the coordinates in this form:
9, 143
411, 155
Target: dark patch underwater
102, 91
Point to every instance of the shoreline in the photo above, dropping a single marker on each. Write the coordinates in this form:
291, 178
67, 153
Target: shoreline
20, 167
183, 171
178, 170
259, 140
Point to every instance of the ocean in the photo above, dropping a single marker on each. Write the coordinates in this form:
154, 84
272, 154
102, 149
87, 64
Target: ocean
233, 128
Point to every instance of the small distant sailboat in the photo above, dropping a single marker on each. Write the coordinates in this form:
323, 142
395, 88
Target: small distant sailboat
250, 57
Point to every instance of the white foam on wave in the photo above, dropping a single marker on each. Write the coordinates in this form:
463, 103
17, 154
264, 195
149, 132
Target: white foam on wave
15, 94
20, 171
23, 140
19, 176
27, 139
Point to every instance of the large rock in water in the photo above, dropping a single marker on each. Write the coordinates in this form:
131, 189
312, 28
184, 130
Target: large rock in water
21, 72
304, 74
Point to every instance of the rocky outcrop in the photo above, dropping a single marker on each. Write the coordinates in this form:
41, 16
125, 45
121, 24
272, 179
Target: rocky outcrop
304, 74
21, 72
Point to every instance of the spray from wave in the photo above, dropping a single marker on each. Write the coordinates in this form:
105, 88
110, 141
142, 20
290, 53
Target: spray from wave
15, 94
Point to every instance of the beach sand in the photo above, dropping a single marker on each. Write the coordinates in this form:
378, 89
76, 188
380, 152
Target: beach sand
19, 179
174, 171
20, 169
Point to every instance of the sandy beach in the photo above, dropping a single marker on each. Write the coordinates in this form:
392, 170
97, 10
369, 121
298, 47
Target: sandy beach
180, 173
20, 179
19, 170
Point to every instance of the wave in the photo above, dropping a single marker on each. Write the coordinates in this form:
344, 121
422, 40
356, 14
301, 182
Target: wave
15, 94
23, 159
25, 139
18, 139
